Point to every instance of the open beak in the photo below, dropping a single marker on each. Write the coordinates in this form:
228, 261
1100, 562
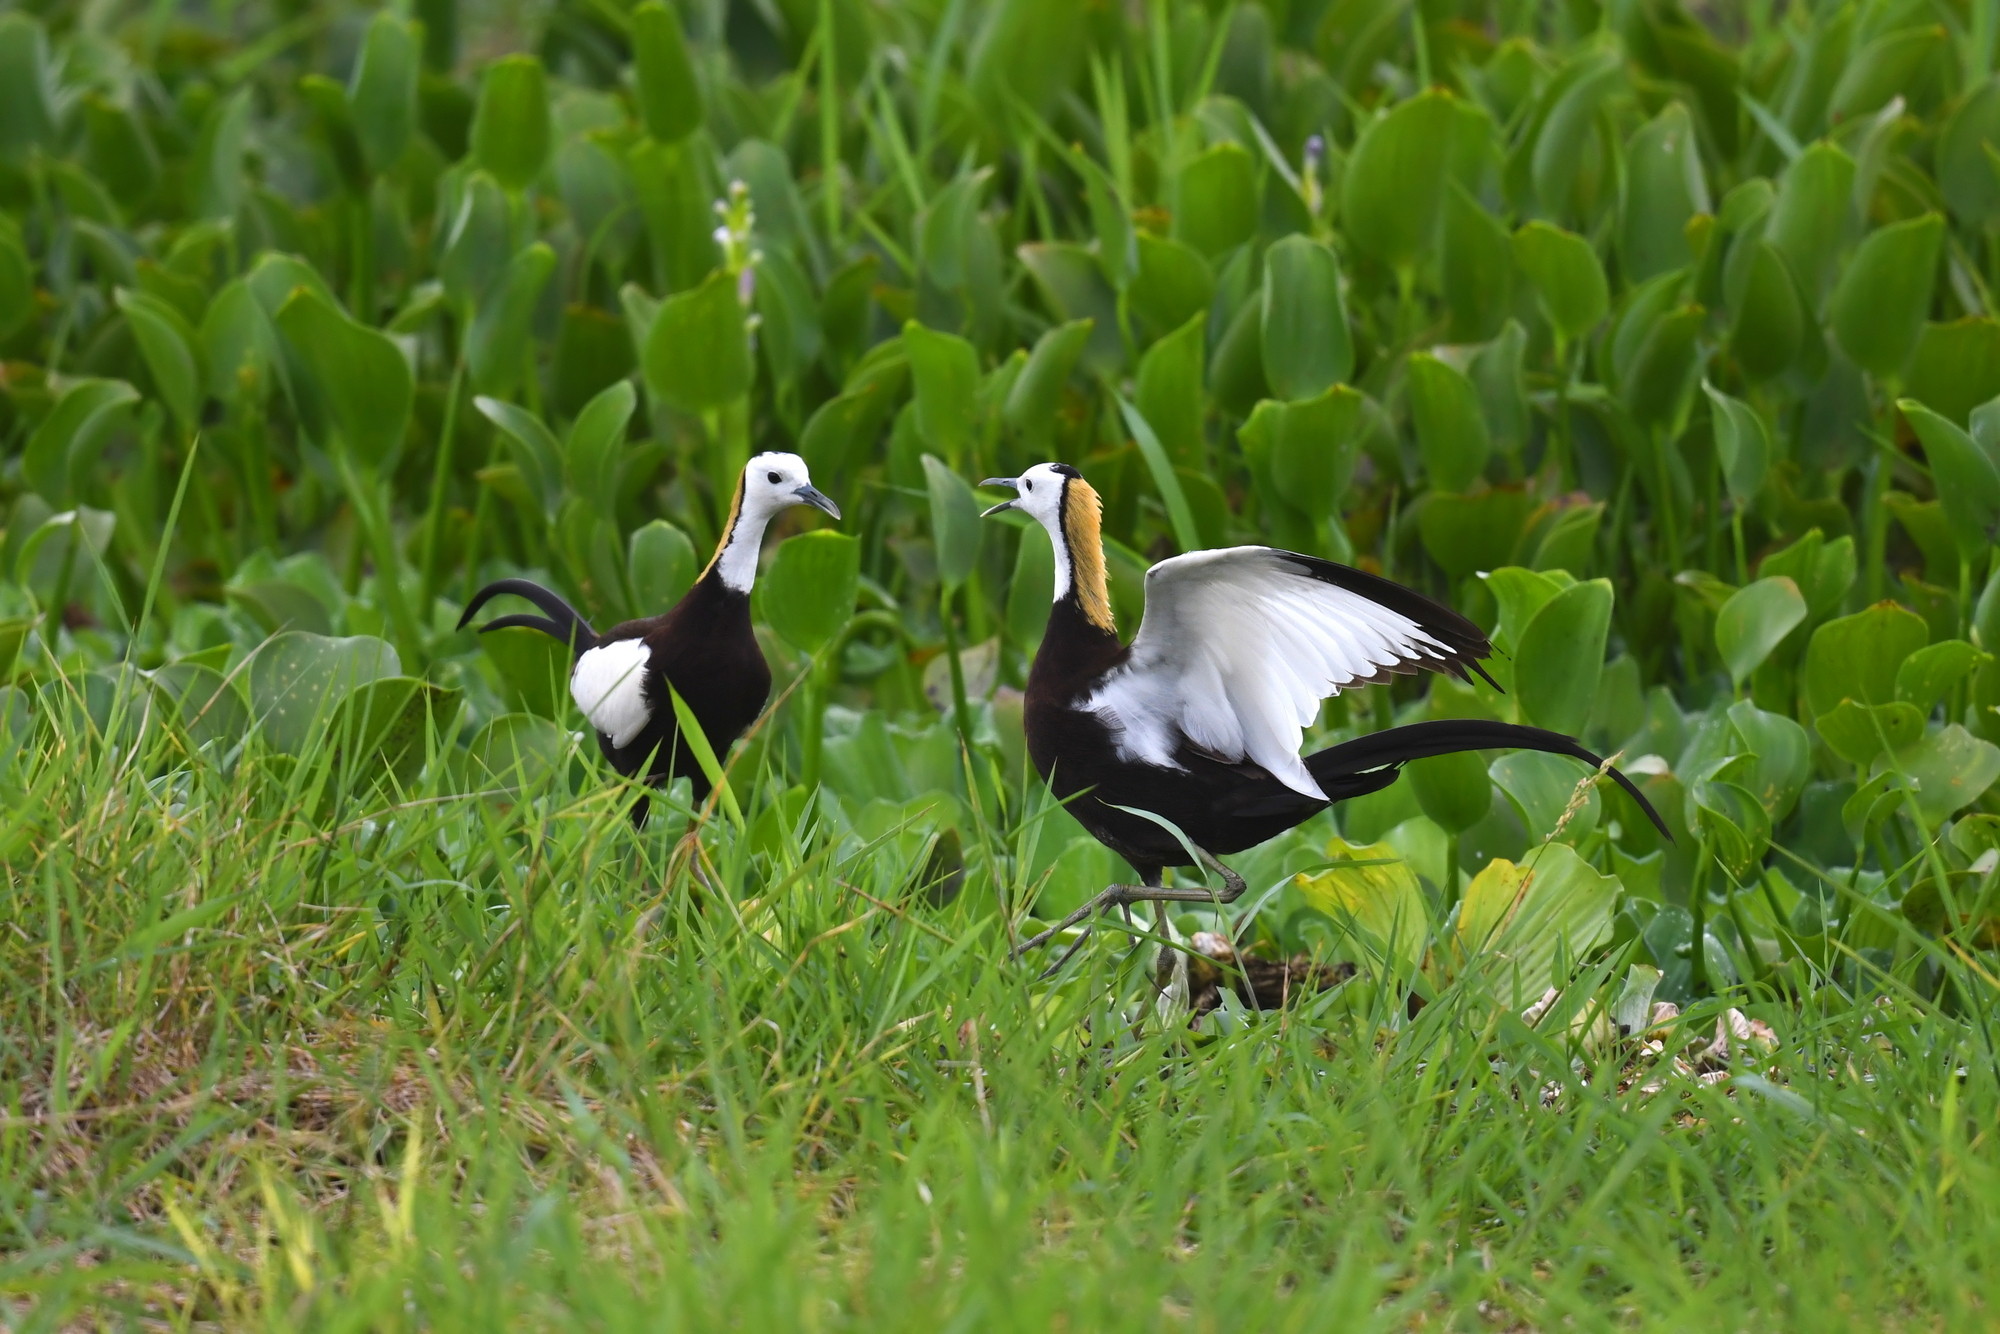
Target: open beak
818, 499
1012, 484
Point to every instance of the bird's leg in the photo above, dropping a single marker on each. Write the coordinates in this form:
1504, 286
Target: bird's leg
1119, 896
1170, 970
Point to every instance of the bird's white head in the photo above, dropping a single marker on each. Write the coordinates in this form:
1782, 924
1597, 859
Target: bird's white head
772, 483
1056, 496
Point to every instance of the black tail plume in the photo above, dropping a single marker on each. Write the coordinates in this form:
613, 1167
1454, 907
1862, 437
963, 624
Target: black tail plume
1338, 767
562, 622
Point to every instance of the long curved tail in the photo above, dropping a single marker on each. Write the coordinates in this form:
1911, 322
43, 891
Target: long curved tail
1350, 768
562, 622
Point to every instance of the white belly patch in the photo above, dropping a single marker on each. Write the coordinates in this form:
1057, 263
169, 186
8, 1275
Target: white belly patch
609, 686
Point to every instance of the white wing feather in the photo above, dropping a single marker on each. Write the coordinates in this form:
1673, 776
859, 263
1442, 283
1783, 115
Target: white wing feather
1237, 650
609, 686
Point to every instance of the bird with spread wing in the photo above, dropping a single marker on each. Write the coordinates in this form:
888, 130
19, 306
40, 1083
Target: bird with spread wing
1199, 719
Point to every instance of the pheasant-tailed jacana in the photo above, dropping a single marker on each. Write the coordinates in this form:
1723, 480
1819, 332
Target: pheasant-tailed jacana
703, 647
1199, 719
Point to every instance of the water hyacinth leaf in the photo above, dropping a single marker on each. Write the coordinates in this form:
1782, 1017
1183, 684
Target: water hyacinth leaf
1860, 732
1169, 392
1666, 363
1478, 259
1811, 215
1857, 657
359, 373
205, 705
281, 604
380, 730
1956, 366
1381, 904
1741, 443
1664, 187
1965, 172
1561, 655
955, 525
663, 76
1307, 348
17, 279
238, 344
515, 752
1929, 674
1454, 790
297, 679
594, 452
697, 353
169, 346
1734, 824
511, 129
532, 448
478, 242
1215, 200
1779, 760
497, 344
1567, 276
1026, 51
1950, 769
65, 446
808, 592
660, 564
1037, 390
1117, 245
1767, 324
1882, 297
27, 113
1473, 533
1542, 788
217, 184
1565, 141
1451, 430
1028, 591
384, 90
1309, 447
1968, 479
1882, 69
1186, 532
944, 370
1073, 288
1392, 192
1518, 922
1173, 285
1823, 570
1754, 621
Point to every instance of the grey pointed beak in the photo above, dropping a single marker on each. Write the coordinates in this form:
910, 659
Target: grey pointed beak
1012, 484
818, 499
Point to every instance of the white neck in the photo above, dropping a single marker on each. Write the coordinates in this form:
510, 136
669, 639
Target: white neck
737, 565
1061, 549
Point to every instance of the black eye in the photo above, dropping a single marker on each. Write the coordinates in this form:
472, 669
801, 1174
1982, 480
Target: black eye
1028, 486
773, 478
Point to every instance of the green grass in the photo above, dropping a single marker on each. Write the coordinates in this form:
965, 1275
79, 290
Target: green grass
336, 990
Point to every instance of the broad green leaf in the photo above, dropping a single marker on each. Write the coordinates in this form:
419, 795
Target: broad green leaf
533, 449
1454, 790
1473, 533
27, 80
1741, 444
1666, 363
217, 183
1956, 366
1754, 621
697, 353
497, 346
1381, 904
1309, 448
205, 705
171, 351
1170, 392
515, 752
1812, 214
1518, 923
1664, 187
1306, 345
380, 729
478, 244
1779, 758
1025, 52
1963, 166
1823, 570
1392, 193
1215, 201
384, 90
945, 371
1968, 479
1564, 139
1929, 674
1029, 592
1117, 244
1560, 656
17, 279
1566, 275
1478, 262
1857, 657
1767, 320
1542, 787
663, 76
594, 452
1952, 769
1173, 285
281, 604
808, 591
955, 526
1884, 294
297, 680
511, 131
1036, 392
1073, 288
1451, 430
360, 374
1735, 824
64, 447
1161, 468
660, 565
1883, 68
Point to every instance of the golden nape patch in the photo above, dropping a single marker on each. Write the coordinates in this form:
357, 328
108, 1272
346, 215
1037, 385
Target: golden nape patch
1083, 533
728, 526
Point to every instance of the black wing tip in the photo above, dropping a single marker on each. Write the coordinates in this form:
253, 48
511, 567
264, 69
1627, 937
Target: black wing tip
1462, 640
